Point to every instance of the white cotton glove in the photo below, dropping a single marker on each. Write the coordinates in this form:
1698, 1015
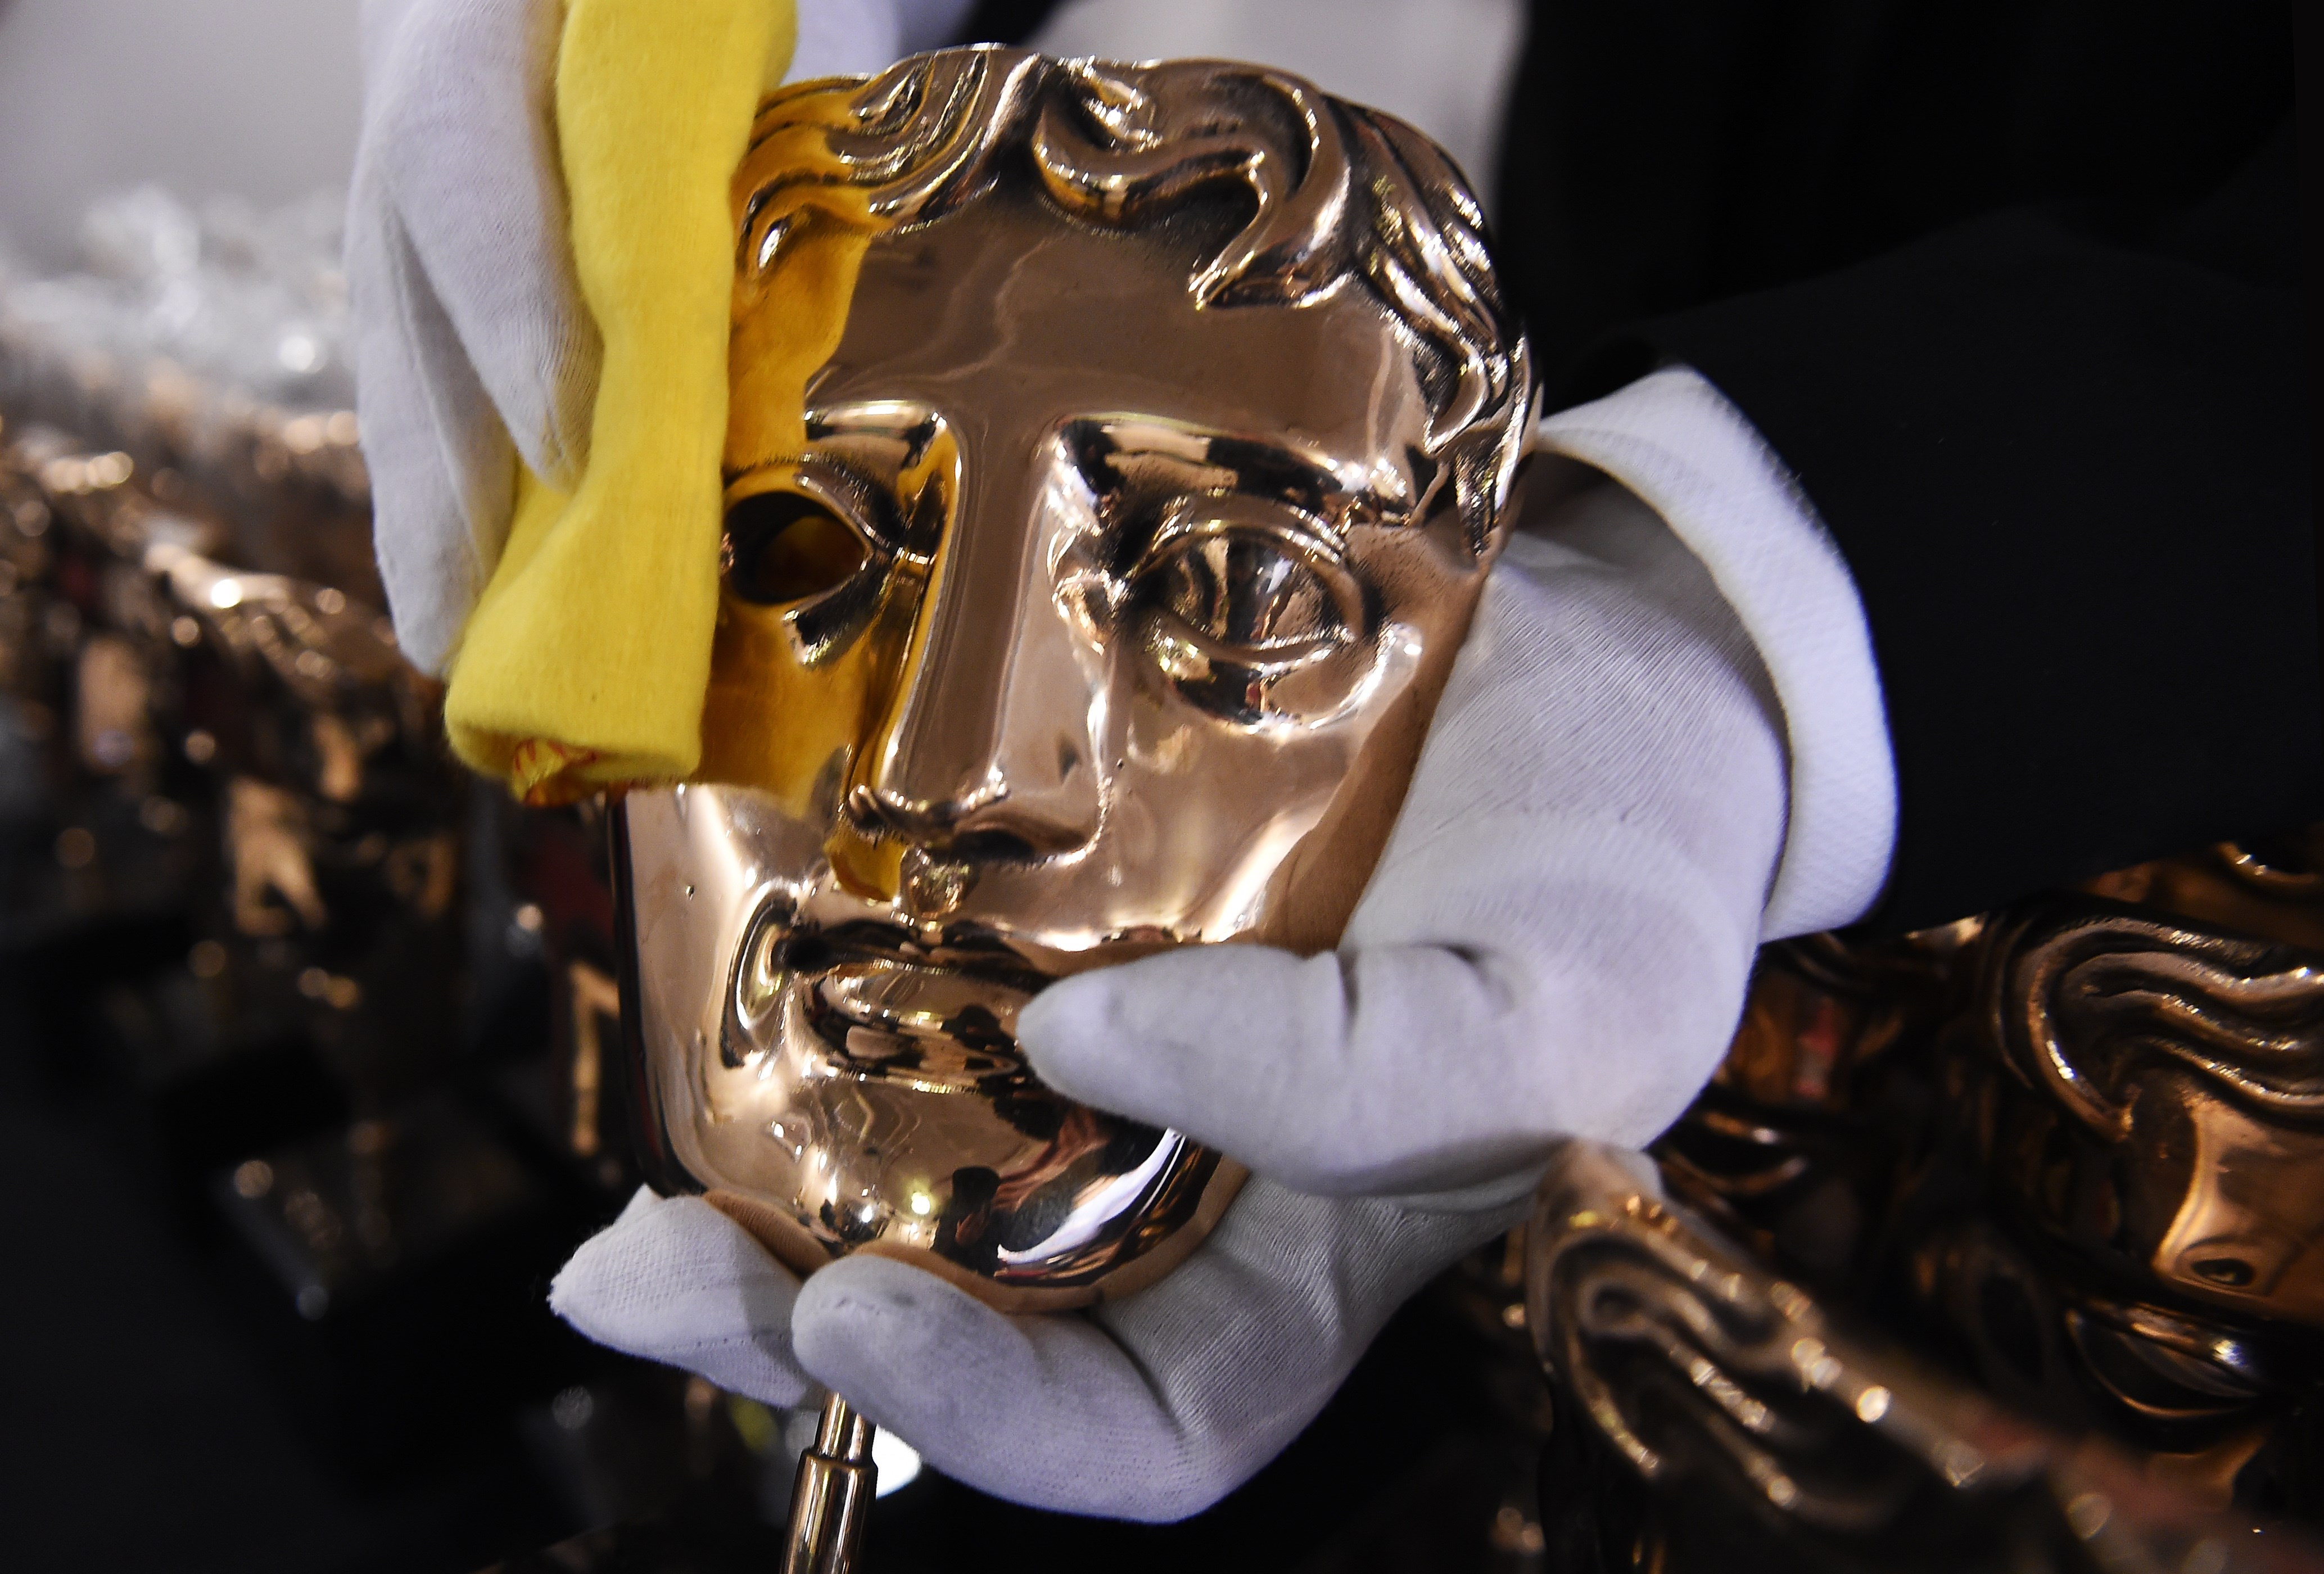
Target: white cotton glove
1150, 1408
676, 1281
473, 345
1558, 935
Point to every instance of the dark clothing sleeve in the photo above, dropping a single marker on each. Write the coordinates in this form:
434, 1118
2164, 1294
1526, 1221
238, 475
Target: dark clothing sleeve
2069, 470
1010, 22
2063, 447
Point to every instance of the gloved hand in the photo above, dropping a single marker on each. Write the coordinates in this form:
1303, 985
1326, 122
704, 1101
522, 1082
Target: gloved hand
473, 345
1558, 938
472, 342
1558, 935
1151, 1408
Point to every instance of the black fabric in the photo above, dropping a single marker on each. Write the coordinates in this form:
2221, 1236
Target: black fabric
1662, 153
1010, 22
2081, 523
2062, 444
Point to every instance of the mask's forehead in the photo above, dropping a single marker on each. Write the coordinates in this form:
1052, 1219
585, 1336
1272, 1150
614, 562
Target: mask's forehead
1009, 319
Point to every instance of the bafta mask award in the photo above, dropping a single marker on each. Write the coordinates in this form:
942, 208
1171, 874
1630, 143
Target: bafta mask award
1115, 458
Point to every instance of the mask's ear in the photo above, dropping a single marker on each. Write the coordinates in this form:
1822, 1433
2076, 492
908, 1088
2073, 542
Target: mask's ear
1487, 462
1531, 471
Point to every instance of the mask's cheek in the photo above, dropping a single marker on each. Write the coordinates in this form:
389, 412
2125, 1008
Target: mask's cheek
791, 728
1341, 689
787, 318
1206, 810
1373, 741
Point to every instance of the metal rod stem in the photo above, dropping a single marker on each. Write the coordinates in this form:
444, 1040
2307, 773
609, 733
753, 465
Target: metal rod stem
831, 1495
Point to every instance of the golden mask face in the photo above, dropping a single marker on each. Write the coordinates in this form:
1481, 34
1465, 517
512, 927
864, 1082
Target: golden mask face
1069, 612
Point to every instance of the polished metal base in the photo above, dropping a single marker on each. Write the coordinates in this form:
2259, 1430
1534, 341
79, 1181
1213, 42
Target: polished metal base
836, 1485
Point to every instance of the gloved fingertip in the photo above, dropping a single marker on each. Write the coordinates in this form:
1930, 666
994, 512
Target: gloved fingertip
624, 1248
676, 1281
1065, 1021
1151, 1038
1093, 1039
872, 1328
560, 455
615, 1287
1149, 1004
584, 1284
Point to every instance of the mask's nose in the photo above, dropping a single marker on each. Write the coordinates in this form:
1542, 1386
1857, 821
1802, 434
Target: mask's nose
986, 741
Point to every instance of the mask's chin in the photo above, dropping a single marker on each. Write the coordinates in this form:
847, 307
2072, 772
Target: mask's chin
839, 1079
868, 1095
1021, 1186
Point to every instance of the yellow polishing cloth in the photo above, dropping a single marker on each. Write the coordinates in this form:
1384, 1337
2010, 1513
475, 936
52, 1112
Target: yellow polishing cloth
586, 659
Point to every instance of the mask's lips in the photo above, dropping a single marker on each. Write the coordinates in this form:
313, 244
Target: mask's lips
972, 954
940, 1019
884, 1002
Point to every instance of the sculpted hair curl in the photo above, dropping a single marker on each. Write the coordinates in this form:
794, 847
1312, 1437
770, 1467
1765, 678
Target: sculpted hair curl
2086, 997
1340, 194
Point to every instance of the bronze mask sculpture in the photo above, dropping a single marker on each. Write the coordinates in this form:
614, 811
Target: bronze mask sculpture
1990, 1246
1116, 454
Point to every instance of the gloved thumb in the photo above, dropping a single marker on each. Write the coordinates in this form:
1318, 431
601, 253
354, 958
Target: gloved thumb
1426, 1064
1302, 1068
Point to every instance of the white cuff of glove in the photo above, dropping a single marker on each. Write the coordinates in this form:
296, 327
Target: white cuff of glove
1684, 449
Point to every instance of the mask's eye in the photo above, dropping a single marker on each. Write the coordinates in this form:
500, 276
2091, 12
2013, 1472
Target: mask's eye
1246, 596
782, 548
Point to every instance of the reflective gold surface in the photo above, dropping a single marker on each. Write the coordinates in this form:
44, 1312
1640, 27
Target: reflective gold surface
2067, 1150
1115, 458
832, 1497
1789, 1150
2180, 1127
1733, 1391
